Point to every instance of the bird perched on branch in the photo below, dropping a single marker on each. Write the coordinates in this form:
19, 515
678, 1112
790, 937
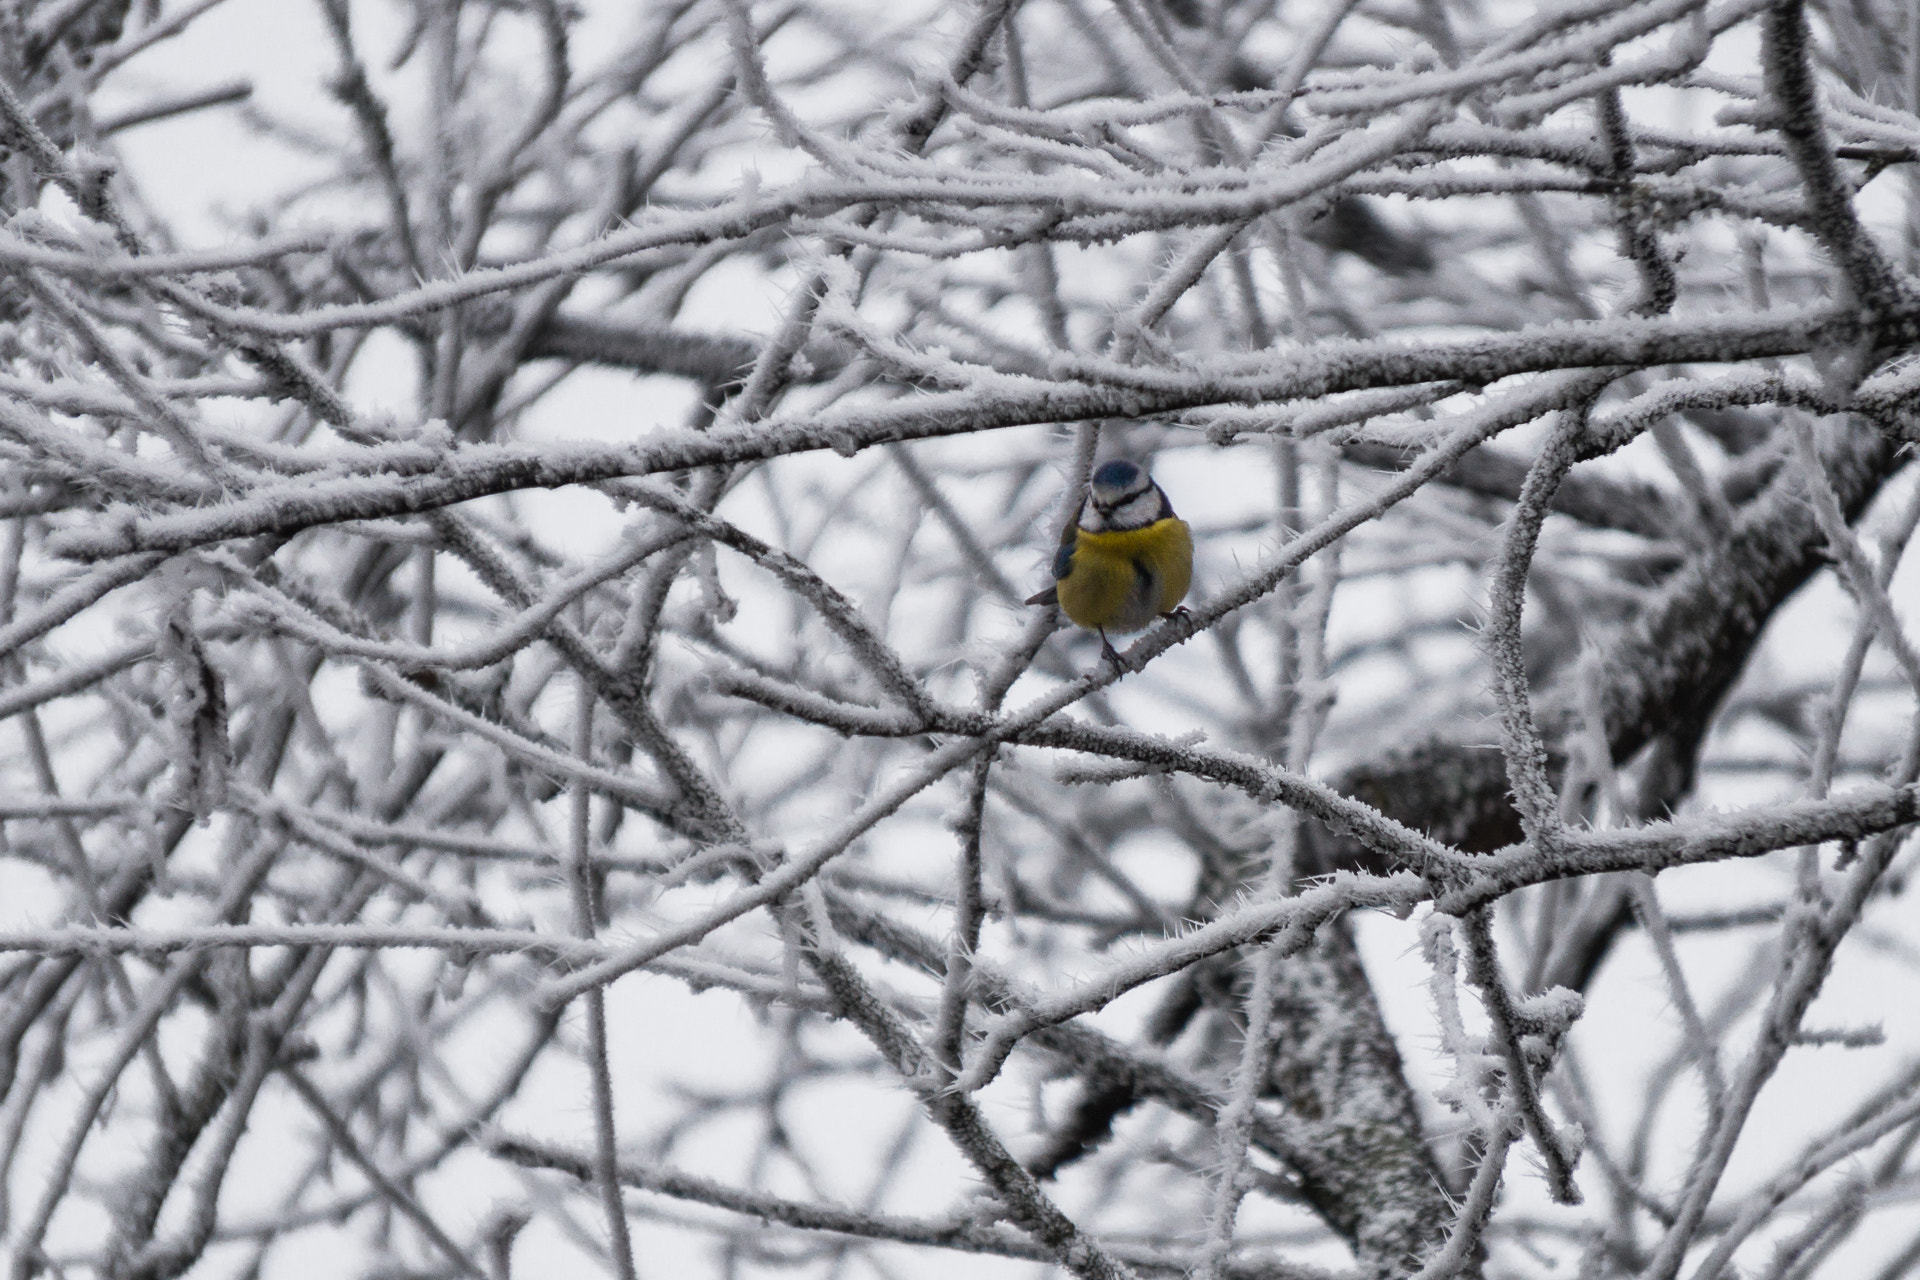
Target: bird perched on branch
1126, 561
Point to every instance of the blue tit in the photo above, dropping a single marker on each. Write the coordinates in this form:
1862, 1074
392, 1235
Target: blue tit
1127, 561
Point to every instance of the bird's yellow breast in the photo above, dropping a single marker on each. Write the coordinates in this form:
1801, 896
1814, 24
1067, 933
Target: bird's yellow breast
1120, 580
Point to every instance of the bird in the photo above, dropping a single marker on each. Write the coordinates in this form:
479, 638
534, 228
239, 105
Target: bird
1127, 560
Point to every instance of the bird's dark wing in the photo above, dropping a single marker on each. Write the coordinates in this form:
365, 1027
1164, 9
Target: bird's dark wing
1062, 565
1063, 554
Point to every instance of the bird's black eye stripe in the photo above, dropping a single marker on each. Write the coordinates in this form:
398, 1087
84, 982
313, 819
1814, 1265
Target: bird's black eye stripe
1120, 499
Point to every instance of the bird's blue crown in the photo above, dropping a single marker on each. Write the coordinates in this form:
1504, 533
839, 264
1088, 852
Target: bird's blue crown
1118, 474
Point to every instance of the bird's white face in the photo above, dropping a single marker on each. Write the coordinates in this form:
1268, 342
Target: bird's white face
1134, 509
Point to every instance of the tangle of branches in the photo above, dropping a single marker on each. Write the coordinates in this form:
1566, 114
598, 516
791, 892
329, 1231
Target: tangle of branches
524, 753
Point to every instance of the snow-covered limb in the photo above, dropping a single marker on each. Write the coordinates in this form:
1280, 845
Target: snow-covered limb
267, 611
1689, 841
960, 1234
480, 470
1656, 847
159, 941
